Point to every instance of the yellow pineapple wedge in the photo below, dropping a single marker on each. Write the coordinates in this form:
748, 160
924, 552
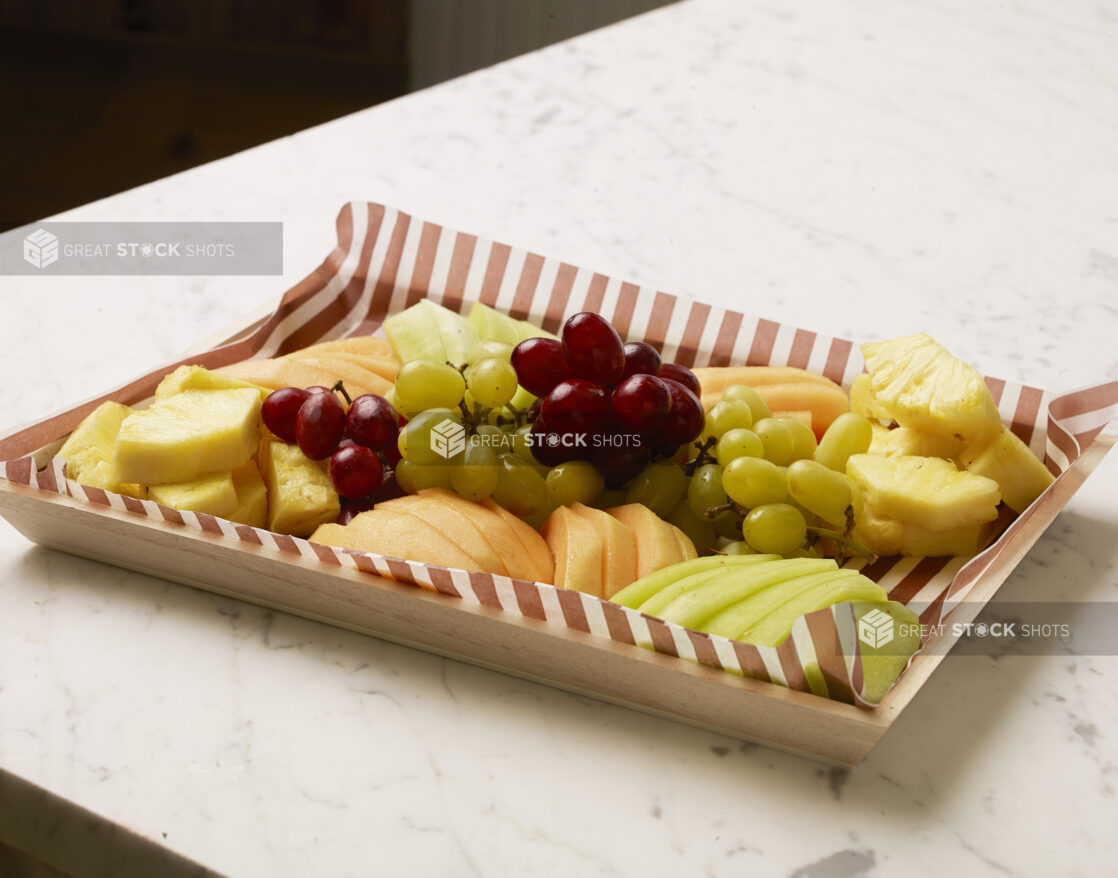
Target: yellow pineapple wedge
300, 493
201, 378
188, 435
864, 402
888, 536
1009, 462
214, 494
922, 386
252, 496
905, 441
89, 450
926, 491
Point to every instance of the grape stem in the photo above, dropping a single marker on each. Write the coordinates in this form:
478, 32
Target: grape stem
340, 387
713, 512
847, 542
703, 455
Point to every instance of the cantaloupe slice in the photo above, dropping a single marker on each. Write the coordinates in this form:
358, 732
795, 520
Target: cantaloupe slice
577, 547
619, 556
453, 525
529, 537
658, 542
397, 535
497, 532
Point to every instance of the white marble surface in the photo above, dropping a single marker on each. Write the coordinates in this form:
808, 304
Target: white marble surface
865, 169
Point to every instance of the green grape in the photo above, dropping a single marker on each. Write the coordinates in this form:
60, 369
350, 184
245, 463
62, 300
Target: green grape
821, 491
424, 434
753, 481
726, 415
610, 498
659, 486
803, 439
422, 384
700, 531
493, 382
520, 488
476, 476
738, 547
520, 444
849, 433
750, 396
705, 490
729, 526
777, 440
491, 348
415, 477
739, 443
576, 481
775, 527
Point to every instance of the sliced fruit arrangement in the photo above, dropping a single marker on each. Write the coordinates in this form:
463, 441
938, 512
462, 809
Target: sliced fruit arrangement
716, 497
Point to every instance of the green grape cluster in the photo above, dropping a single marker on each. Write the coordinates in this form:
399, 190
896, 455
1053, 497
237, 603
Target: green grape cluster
763, 483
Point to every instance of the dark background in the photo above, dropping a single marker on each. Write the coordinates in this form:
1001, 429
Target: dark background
98, 96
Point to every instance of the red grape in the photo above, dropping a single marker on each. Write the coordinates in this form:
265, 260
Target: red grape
372, 421
356, 471
320, 425
576, 406
684, 420
540, 364
640, 402
683, 375
593, 348
280, 409
392, 455
354, 508
619, 464
318, 388
641, 358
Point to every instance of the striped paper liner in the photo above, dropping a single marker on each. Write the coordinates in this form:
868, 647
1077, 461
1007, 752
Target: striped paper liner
386, 260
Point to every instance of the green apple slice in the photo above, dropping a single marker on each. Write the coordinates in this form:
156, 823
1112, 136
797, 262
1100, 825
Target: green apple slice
773, 628
696, 606
635, 594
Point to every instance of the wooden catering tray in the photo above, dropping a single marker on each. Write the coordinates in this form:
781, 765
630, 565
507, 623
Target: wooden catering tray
386, 260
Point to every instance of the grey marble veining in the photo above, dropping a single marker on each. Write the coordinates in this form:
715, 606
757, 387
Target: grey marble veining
865, 169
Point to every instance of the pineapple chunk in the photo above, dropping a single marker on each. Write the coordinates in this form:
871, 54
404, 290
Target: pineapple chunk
252, 496
200, 378
967, 540
214, 494
863, 401
89, 450
1009, 462
883, 535
922, 386
906, 441
188, 435
927, 491
879, 534
300, 493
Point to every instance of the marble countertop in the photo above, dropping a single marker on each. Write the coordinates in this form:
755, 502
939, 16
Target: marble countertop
864, 169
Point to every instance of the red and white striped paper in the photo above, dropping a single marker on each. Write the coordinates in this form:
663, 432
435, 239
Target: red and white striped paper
386, 260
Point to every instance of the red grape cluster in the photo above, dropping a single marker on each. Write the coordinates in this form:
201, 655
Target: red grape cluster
361, 442
613, 404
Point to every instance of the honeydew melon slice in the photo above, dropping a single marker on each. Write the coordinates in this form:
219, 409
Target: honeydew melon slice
634, 595
774, 627
694, 608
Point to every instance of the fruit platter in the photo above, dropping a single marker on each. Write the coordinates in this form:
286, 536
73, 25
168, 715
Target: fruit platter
510, 460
